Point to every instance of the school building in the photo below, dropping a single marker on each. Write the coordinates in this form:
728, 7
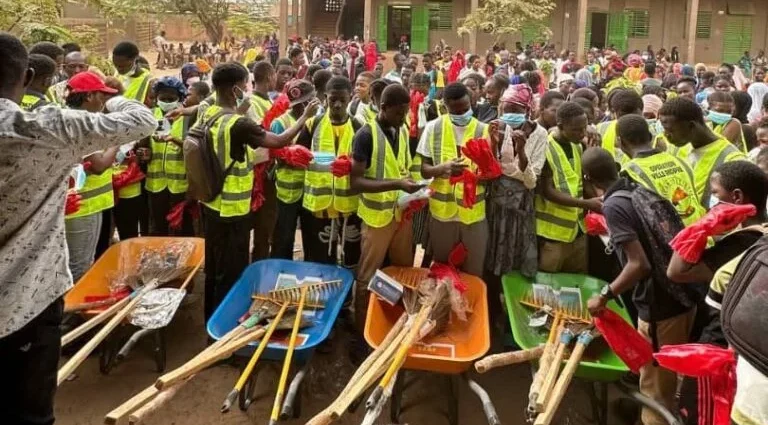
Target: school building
709, 31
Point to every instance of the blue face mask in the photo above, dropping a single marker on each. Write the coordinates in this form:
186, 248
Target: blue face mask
513, 120
463, 119
719, 118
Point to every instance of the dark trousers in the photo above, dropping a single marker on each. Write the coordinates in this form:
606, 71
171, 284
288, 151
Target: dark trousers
264, 222
105, 234
285, 229
132, 216
315, 235
226, 255
160, 204
30, 359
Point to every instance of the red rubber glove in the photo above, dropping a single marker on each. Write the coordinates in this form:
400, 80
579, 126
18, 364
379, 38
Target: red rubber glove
72, 203
469, 180
595, 224
341, 166
624, 340
691, 242
296, 156
479, 152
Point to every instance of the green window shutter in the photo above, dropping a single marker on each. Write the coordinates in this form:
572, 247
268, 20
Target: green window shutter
704, 25
381, 28
639, 23
737, 37
440, 16
618, 24
419, 29
588, 33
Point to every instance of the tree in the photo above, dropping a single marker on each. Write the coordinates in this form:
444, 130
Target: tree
245, 25
505, 17
33, 21
212, 15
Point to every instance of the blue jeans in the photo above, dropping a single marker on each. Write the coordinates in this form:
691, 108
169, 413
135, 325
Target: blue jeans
82, 238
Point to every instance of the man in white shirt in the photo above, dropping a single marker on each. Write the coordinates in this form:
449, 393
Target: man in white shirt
39, 150
394, 75
159, 44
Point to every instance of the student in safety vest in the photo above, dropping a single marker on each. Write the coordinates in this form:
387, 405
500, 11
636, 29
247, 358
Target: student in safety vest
88, 92
720, 119
380, 172
45, 69
74, 63
289, 181
704, 151
439, 151
661, 172
166, 183
360, 106
265, 217
621, 102
227, 220
329, 212
132, 209
560, 203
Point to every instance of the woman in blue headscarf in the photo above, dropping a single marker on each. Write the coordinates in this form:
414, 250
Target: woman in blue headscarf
190, 74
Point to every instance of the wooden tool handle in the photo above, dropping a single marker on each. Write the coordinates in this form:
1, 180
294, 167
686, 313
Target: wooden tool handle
131, 405
91, 305
322, 418
93, 322
549, 380
544, 364
405, 346
204, 360
142, 412
505, 359
83, 353
288, 357
545, 418
192, 273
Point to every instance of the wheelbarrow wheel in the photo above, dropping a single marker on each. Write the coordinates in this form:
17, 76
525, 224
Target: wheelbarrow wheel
160, 351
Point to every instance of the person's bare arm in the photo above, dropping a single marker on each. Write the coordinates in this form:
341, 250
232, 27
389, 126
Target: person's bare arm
274, 141
637, 268
361, 184
681, 271
101, 161
551, 194
732, 132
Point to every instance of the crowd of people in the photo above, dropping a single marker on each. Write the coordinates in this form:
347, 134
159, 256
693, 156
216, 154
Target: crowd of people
569, 137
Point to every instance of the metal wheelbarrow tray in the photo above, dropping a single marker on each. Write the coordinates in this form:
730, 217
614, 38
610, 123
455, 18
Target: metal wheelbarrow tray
452, 353
96, 282
261, 277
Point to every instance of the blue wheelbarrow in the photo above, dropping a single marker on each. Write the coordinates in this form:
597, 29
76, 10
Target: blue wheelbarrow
261, 277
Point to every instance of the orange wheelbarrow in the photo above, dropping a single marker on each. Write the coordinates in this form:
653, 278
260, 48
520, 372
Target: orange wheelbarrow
95, 285
452, 353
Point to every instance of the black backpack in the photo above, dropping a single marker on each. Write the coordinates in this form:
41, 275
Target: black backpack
205, 175
744, 315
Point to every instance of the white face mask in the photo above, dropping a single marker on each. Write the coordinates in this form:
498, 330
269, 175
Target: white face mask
167, 106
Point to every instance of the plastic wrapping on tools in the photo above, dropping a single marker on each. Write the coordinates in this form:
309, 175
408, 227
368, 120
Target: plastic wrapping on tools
417, 98
714, 366
479, 151
633, 349
691, 241
341, 166
279, 107
449, 274
151, 261
469, 180
595, 224
157, 307
72, 203
296, 156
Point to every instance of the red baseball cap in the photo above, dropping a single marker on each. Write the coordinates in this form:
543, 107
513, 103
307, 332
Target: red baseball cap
86, 82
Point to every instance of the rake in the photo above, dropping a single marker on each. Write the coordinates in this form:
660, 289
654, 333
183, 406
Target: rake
568, 311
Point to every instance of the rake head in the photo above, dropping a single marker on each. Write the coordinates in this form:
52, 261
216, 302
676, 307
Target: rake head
318, 294
571, 312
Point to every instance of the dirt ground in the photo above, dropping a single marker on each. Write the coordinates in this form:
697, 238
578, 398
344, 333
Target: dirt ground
91, 395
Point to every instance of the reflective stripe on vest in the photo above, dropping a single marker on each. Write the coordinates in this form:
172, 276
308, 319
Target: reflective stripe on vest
671, 178
155, 169
166, 168
30, 102
321, 189
445, 203
607, 132
96, 194
555, 221
289, 181
136, 87
706, 160
718, 129
378, 209
260, 107
235, 197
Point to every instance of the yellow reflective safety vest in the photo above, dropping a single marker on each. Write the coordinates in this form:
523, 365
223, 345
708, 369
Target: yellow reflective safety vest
96, 194
448, 200
671, 178
32, 101
166, 169
668, 146
705, 160
323, 191
289, 181
136, 87
378, 209
235, 197
132, 190
259, 107
608, 133
554, 221
718, 129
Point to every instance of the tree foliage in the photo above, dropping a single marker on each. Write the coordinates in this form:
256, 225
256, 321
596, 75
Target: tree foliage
245, 25
33, 20
504, 17
214, 15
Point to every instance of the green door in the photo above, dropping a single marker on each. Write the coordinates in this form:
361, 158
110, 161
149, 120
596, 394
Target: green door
737, 37
381, 28
618, 28
419, 29
588, 33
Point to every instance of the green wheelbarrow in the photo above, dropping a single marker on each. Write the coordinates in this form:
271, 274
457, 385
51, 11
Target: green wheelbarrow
600, 365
